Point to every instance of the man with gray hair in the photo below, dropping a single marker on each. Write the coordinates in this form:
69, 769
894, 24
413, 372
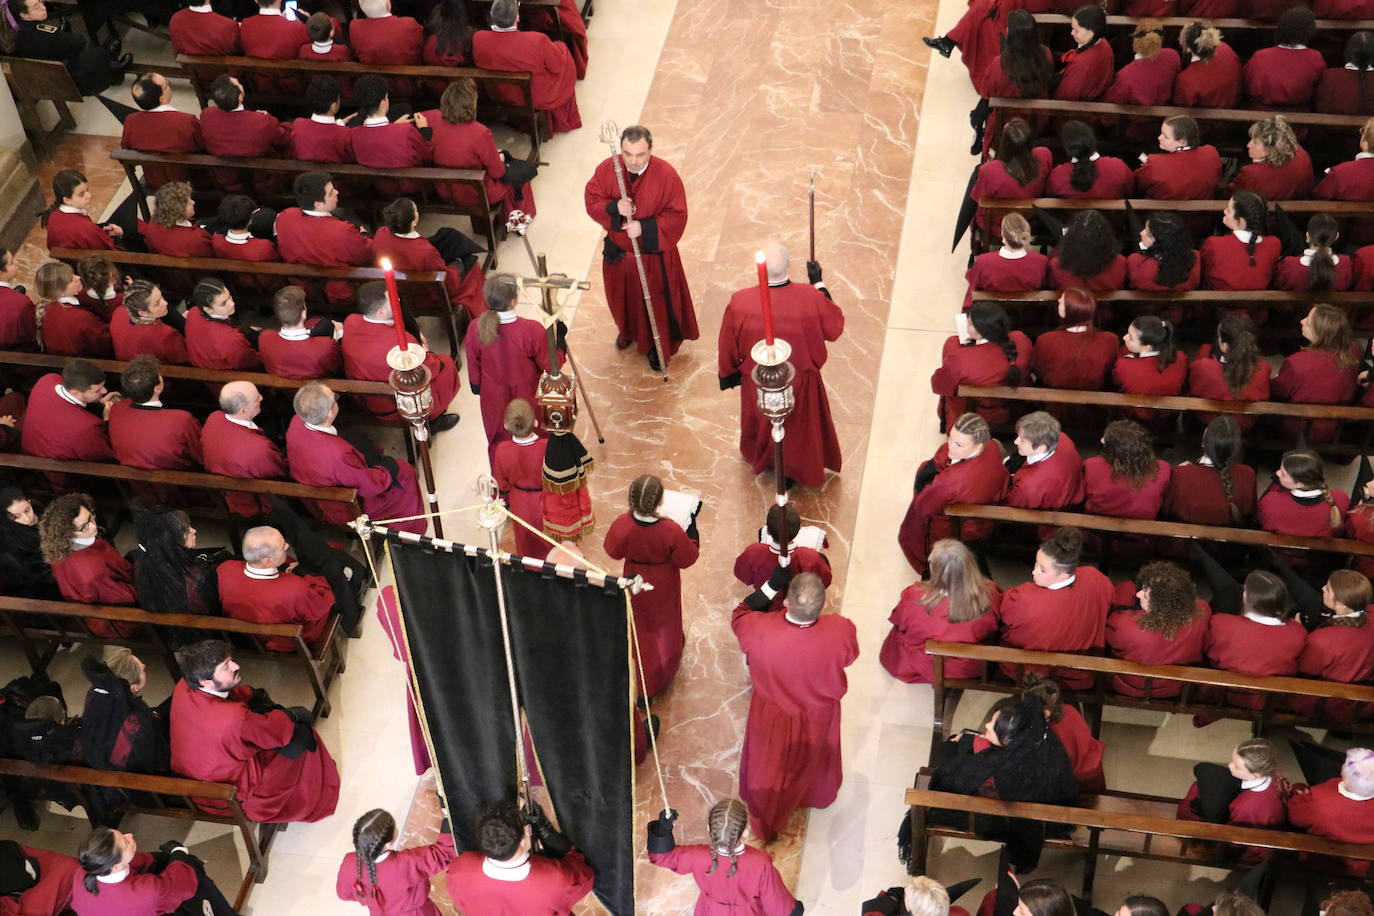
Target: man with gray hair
234, 445
321, 456
384, 39
805, 316
267, 587
553, 74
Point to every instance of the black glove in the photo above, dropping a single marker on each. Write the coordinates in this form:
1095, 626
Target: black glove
302, 740
534, 815
560, 335
660, 832
884, 903
692, 531
445, 827
322, 328
386, 461
554, 845
778, 581
925, 475
813, 272
259, 702
730, 381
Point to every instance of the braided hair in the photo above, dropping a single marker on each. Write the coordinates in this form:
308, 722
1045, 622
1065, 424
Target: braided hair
992, 324
371, 833
726, 822
1252, 209
1306, 469
1221, 443
646, 493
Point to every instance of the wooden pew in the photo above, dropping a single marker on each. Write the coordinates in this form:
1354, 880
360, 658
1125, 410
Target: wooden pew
1150, 528
363, 183
203, 71
35, 81
1226, 25
1115, 824
424, 291
166, 796
42, 626
1075, 109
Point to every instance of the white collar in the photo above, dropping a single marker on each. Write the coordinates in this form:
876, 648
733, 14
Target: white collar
272, 12
164, 108
183, 224
1267, 621
507, 317
66, 209
1065, 584
1036, 459
1306, 494
1181, 149
1353, 67
1078, 329
1294, 47
1256, 785
328, 430
294, 333
1093, 158
316, 213
1012, 254
390, 322
5, 285
406, 235
108, 294
69, 300
82, 543
382, 858
234, 237
222, 694
644, 518
1364, 156
1244, 235
376, 121
246, 424
797, 623
383, 16
514, 28
1205, 462
253, 572
1195, 58
66, 395
1359, 613
1143, 354
1306, 258
206, 8
1340, 787
153, 403
525, 440
324, 47
500, 871
114, 877
325, 119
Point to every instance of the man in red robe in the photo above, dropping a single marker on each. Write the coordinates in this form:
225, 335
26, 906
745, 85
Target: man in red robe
319, 456
143, 433
234, 241
655, 213
67, 413
796, 659
505, 875
257, 590
367, 339
1046, 472
159, 128
232, 130
756, 563
300, 348
569, 17
282, 770
322, 137
233, 445
384, 39
271, 34
199, 30
805, 317
309, 233
551, 67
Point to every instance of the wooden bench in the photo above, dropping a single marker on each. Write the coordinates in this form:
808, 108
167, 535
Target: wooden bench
424, 291
166, 796
1114, 824
1150, 528
1178, 22
202, 170
1075, 109
35, 81
417, 79
42, 626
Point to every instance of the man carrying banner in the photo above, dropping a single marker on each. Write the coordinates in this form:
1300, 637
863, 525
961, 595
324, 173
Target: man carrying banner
506, 876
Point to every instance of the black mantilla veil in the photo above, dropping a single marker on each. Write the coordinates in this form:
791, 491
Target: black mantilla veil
569, 642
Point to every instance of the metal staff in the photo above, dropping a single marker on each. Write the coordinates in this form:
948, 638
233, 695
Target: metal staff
410, 386
772, 377
811, 198
610, 135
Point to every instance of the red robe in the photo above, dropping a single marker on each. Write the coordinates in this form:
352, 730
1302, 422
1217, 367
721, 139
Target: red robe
903, 654
156, 438
1197, 497
142, 892
756, 562
420, 254
365, 345
1237, 643
978, 33
313, 357
1211, 83
994, 181
551, 887
388, 615
1053, 482
755, 886
1108, 279
55, 428
1292, 274
979, 479
1087, 72
1085, 751
1148, 81
1337, 652
1353, 180
1226, 262
980, 363
18, 320
1359, 524
1290, 181
469, 145
995, 272
403, 879
1186, 174
1324, 811
807, 319
1283, 78
242, 133
1142, 272
159, 132
70, 329
1068, 619
661, 208
283, 598
658, 551
98, 574
52, 894
518, 469
1205, 380
271, 36
324, 240
1313, 377
1128, 640
218, 739
1074, 359
322, 460
574, 29
77, 230
1108, 495
1251, 808
337, 52
994, 83
507, 368
554, 75
319, 141
214, 343
1339, 92
249, 249
390, 40
1114, 179
392, 145
1282, 512
1343, 9
791, 755
455, 57
237, 451
204, 34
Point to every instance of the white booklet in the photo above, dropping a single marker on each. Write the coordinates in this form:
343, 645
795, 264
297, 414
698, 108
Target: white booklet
809, 536
680, 506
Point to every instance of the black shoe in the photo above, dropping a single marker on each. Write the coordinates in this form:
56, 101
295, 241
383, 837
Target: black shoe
654, 726
942, 44
620, 342
788, 483
654, 364
443, 423
642, 703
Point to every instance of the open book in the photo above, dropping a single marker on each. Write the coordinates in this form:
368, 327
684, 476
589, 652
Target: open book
809, 536
680, 505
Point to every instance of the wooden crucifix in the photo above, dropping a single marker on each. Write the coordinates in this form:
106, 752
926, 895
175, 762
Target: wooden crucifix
547, 283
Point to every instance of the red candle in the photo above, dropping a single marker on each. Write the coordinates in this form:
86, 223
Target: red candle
395, 298
766, 297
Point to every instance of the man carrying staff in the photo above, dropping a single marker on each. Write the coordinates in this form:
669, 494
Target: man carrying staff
655, 213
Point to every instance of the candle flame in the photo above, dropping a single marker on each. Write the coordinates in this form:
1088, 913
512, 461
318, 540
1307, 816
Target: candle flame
386, 263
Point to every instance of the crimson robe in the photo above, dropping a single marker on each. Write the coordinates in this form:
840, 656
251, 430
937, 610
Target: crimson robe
271, 36
56, 428
553, 74
52, 894
337, 52
322, 460
249, 249
1283, 78
1353, 180
755, 886
1359, 524
1114, 179
319, 141
142, 892
1282, 512
1237, 643
1186, 174
324, 240
98, 574
506, 368
1068, 619
807, 319
980, 479
463, 287
313, 357
388, 41
658, 551
1107, 280
995, 272
903, 654
285, 598
1211, 83
756, 563
392, 145
1343, 9
218, 739
1337, 652
156, 438
1205, 380
1135, 374
241, 133
77, 230
1127, 639
574, 29
661, 209
1053, 482
365, 345
1314, 377
18, 320
74, 330
203, 34
1074, 359
551, 887
1251, 808
791, 755
107, 304
1290, 181
978, 363
389, 616
1196, 495
1339, 92
1085, 751
1087, 72
994, 181
1323, 811
1106, 494
214, 343
159, 132
1293, 275
518, 469
402, 883
978, 33
237, 451
468, 145
994, 83
1148, 81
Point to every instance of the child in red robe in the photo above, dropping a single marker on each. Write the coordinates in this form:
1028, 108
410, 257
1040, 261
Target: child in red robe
18, 321
1011, 268
68, 326
756, 563
1020, 170
992, 354
1217, 489
66, 221
1325, 371
143, 326
87, 567
389, 881
1249, 792
447, 250
1213, 77
1244, 258
1185, 169
1232, 370
102, 284
1087, 174
1077, 354
1157, 620
1069, 726
517, 464
1126, 480
213, 340
1318, 269
1150, 363
1149, 78
1346, 89
1088, 68
505, 353
1286, 75
1088, 256
504, 875
118, 879
1299, 502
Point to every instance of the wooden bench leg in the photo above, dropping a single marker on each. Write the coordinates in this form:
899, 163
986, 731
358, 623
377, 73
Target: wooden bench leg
1090, 864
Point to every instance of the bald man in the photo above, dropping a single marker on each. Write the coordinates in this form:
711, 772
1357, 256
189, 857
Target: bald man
267, 587
805, 317
234, 445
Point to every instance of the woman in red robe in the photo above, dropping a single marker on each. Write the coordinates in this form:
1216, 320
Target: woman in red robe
1338, 809
1166, 259
1157, 620
142, 326
966, 469
517, 464
505, 354
66, 221
1354, 179
1150, 363
1299, 502
1217, 489
658, 549
463, 142
1285, 76
1089, 256
1325, 371
171, 231
1232, 370
390, 881
18, 320
102, 284
1243, 258
1340, 644
67, 326
954, 604
1020, 170
1011, 268
1024, 69
1126, 480
212, 339
1349, 89
52, 894
1077, 354
1319, 268
992, 355
1279, 169
978, 33
1046, 472
1149, 78
1069, 726
1087, 174
1184, 169
87, 567
1089, 67
119, 880
1256, 788
1213, 77
400, 241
